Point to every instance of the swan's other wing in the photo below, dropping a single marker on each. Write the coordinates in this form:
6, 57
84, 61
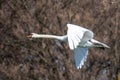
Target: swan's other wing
80, 56
75, 34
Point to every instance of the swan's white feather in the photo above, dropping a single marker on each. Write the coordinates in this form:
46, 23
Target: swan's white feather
77, 34
79, 39
80, 56
88, 35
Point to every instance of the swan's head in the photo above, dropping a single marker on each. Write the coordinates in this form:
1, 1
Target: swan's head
32, 35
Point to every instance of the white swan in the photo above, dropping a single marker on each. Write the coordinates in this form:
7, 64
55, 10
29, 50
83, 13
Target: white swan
79, 39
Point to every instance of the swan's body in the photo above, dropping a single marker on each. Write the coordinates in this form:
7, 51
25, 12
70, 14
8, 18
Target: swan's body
79, 39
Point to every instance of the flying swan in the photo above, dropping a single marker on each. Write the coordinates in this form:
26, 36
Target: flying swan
79, 39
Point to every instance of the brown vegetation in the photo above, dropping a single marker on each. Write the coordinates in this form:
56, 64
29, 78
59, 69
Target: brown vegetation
45, 59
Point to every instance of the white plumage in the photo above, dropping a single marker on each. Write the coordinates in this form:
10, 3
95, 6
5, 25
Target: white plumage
79, 39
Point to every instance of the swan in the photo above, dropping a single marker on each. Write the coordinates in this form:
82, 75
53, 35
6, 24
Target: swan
79, 39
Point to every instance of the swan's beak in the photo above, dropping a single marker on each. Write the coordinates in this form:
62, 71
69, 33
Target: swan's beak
29, 36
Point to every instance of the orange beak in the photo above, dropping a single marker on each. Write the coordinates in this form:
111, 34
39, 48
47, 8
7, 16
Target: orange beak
29, 36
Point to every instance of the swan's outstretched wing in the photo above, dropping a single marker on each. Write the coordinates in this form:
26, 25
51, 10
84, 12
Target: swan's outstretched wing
76, 34
80, 56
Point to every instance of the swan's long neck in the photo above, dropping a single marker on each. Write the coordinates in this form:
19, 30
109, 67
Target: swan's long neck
62, 38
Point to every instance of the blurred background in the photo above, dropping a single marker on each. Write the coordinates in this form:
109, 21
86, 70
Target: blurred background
46, 59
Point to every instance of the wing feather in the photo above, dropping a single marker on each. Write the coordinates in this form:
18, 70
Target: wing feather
71, 45
88, 35
76, 33
80, 56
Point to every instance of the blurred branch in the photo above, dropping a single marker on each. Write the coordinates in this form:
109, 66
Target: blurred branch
117, 43
116, 36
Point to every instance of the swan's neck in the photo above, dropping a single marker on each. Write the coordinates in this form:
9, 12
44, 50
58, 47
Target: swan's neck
62, 38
